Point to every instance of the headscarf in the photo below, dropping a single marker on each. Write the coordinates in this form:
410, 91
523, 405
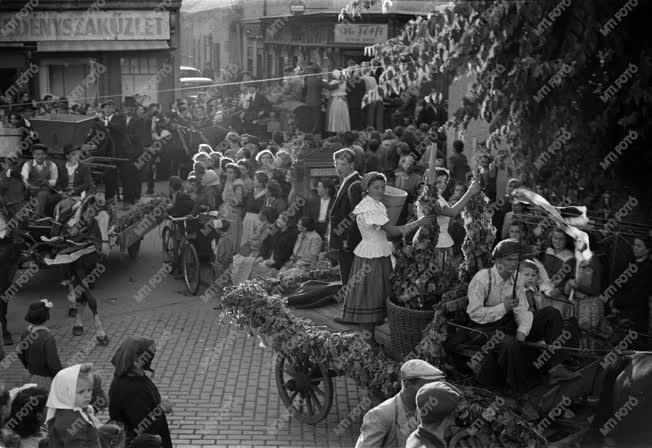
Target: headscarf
63, 392
135, 351
368, 177
210, 179
232, 137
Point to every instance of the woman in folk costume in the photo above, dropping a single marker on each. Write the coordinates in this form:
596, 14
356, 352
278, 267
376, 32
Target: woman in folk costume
445, 242
134, 400
369, 285
233, 202
253, 204
338, 110
70, 418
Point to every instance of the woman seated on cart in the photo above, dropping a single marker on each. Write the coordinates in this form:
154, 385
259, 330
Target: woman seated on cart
74, 181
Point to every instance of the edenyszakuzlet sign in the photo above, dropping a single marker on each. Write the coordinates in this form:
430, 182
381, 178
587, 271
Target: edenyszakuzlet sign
84, 25
360, 33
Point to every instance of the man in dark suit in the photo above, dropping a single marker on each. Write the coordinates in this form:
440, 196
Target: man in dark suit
135, 143
100, 142
314, 87
258, 108
355, 92
344, 232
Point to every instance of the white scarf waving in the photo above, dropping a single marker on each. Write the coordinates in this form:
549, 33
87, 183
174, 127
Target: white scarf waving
566, 224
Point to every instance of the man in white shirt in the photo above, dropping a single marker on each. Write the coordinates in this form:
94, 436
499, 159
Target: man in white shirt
498, 306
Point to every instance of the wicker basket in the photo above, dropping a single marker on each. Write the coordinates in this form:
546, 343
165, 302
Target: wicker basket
589, 312
406, 327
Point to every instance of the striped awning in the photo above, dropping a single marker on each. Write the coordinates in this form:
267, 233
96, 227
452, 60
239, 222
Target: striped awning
103, 45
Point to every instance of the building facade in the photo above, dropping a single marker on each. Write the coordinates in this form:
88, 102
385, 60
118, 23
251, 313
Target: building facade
88, 51
211, 35
280, 33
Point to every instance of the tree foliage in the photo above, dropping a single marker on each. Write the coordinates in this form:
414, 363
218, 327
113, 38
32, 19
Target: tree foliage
541, 67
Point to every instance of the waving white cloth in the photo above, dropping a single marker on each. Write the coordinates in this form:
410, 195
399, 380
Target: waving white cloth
63, 392
582, 248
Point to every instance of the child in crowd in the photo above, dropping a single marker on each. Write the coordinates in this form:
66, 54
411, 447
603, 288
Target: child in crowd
70, 418
40, 356
182, 204
223, 249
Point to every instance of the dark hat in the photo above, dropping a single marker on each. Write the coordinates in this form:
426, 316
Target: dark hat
289, 68
107, 103
67, 149
436, 401
130, 101
38, 312
505, 248
40, 146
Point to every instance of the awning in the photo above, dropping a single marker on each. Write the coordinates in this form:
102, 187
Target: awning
103, 45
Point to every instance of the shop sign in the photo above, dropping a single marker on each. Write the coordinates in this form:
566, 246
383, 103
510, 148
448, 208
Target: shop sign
360, 33
40, 26
297, 7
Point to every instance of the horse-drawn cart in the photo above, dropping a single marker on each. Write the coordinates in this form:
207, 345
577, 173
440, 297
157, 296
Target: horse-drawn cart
311, 349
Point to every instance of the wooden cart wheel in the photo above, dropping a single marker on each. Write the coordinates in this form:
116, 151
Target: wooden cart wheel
134, 249
168, 248
191, 268
305, 389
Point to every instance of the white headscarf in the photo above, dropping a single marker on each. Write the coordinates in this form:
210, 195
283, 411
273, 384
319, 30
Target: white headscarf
63, 392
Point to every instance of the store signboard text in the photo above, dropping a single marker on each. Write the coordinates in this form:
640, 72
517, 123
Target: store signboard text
42, 26
358, 33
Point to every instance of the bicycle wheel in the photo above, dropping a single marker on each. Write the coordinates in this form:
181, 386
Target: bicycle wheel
168, 248
191, 268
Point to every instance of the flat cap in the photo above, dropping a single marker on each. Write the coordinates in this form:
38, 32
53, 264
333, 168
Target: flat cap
418, 368
37, 146
437, 400
505, 248
108, 103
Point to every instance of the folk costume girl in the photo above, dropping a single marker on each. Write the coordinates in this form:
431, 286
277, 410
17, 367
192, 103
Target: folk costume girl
232, 202
40, 356
253, 204
369, 285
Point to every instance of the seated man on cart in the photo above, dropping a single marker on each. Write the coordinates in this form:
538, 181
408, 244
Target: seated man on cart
498, 306
40, 176
74, 180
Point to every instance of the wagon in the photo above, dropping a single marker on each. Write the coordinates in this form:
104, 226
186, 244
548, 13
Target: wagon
307, 388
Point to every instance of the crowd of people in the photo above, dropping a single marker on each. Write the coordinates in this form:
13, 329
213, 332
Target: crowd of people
245, 168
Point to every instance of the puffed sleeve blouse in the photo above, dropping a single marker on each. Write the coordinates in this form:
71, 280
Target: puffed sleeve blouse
370, 215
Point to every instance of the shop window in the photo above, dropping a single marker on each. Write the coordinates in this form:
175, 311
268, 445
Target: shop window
76, 81
140, 76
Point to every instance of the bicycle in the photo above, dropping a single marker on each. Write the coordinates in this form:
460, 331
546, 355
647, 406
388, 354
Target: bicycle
180, 242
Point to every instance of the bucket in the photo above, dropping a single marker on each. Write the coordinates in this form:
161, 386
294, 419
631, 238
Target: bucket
394, 200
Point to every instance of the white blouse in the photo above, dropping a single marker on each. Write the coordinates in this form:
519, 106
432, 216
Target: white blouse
370, 215
445, 239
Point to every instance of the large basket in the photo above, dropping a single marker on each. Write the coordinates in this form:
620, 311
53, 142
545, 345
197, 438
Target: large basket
394, 201
406, 327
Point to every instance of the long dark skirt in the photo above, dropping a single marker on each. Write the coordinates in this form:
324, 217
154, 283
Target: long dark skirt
367, 290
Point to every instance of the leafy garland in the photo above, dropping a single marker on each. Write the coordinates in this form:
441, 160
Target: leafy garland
416, 278
479, 239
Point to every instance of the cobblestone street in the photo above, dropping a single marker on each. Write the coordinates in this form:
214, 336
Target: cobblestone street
220, 381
